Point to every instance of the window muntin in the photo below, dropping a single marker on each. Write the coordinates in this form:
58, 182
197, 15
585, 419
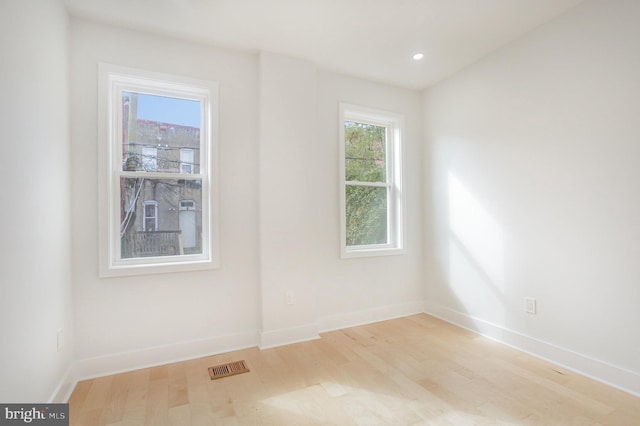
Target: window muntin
159, 145
371, 196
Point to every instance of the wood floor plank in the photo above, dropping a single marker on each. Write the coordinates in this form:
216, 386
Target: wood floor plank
88, 417
135, 406
114, 406
412, 370
201, 414
77, 399
98, 393
177, 382
179, 415
157, 406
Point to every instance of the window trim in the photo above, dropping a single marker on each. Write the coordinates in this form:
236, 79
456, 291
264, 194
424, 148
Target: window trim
113, 80
394, 123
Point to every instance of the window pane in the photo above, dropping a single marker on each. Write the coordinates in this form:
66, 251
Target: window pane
365, 158
156, 129
160, 229
366, 215
150, 210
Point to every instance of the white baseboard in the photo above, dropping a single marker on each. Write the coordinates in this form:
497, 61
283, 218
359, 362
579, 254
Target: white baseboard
352, 319
601, 371
289, 335
88, 368
303, 333
65, 387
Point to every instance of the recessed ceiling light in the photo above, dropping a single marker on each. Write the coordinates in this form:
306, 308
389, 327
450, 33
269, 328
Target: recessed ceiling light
418, 56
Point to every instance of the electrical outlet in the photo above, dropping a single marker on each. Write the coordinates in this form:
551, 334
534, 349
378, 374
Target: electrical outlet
59, 339
288, 297
530, 305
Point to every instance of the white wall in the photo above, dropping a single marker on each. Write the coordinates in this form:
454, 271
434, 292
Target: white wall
360, 290
288, 142
534, 157
300, 212
126, 322
279, 213
34, 169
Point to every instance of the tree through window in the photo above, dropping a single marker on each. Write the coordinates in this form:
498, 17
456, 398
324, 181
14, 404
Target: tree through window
371, 207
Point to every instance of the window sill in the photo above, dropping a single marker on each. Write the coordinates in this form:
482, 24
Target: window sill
371, 252
159, 268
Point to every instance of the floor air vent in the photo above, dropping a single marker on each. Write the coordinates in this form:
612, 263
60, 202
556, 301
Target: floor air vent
229, 369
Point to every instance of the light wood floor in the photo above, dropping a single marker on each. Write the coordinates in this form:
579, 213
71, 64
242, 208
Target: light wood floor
413, 370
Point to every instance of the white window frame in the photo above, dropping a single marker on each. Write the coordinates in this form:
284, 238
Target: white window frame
186, 159
145, 217
394, 123
113, 80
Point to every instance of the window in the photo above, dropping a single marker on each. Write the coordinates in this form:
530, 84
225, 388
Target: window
149, 158
157, 149
186, 160
371, 180
150, 220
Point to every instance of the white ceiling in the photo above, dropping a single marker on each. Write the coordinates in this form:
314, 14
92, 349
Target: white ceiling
373, 39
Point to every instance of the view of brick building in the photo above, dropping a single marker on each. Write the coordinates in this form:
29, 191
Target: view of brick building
160, 214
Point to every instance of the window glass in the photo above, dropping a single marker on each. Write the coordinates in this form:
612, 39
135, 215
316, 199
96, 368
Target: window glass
160, 133
366, 215
365, 152
161, 215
